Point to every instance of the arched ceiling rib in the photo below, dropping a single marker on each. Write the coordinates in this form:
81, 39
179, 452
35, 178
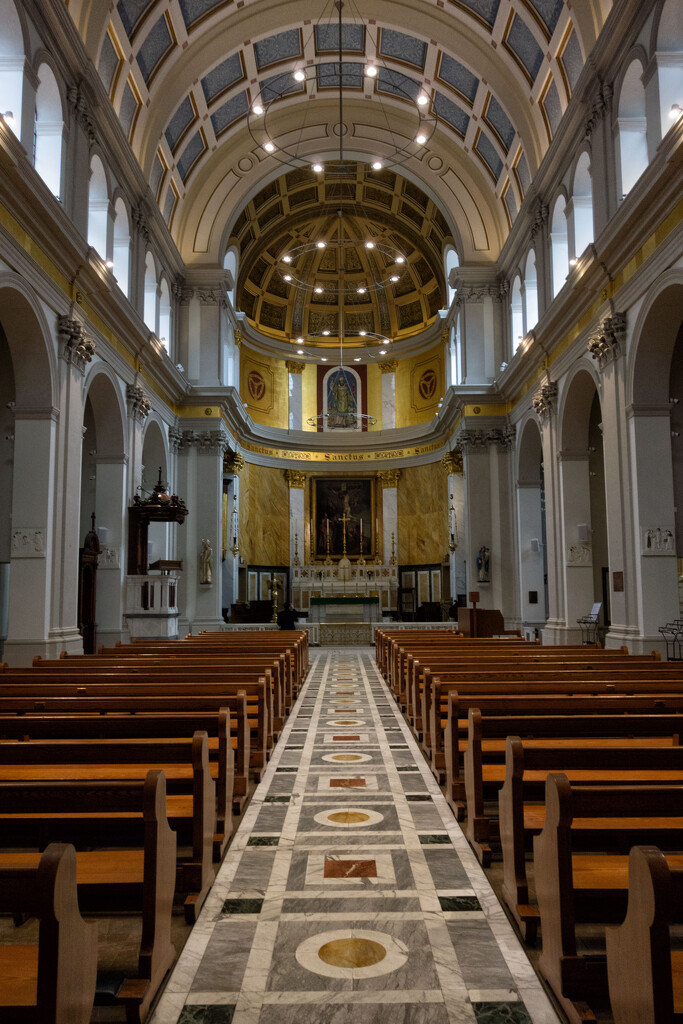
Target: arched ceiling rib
499, 73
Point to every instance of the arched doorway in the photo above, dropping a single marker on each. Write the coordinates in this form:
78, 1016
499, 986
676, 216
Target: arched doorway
656, 439
27, 480
153, 463
583, 504
531, 532
103, 490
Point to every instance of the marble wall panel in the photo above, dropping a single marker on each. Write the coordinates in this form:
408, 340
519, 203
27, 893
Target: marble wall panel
422, 514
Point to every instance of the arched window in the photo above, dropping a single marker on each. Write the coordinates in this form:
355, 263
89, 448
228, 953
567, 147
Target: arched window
98, 207
583, 205
632, 128
150, 308
452, 262
165, 315
11, 66
517, 313
122, 246
230, 264
559, 245
669, 58
530, 291
49, 130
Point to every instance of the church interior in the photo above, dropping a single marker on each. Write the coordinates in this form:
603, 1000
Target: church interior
369, 316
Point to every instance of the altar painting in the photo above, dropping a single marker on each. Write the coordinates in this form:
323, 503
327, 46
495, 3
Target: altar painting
343, 505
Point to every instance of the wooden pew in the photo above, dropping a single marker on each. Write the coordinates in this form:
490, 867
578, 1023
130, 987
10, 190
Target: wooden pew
644, 970
117, 691
190, 800
572, 888
91, 668
666, 677
522, 813
140, 879
228, 732
52, 982
514, 706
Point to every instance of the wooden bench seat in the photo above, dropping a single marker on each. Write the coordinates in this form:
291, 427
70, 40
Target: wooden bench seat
591, 886
227, 729
640, 681
190, 799
522, 812
53, 981
144, 694
141, 880
547, 712
644, 969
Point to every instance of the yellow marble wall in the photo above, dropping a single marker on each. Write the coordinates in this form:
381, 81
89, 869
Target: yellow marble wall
264, 516
420, 385
264, 388
309, 398
375, 395
422, 514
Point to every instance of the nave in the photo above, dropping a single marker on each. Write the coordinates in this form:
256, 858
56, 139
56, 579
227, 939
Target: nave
349, 892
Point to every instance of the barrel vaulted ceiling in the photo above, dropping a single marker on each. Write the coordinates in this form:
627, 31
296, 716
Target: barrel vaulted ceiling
181, 75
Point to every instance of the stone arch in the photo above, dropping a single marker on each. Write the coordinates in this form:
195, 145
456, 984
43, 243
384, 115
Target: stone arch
151, 286
451, 262
531, 528
531, 312
165, 314
30, 345
155, 460
583, 526
231, 262
517, 313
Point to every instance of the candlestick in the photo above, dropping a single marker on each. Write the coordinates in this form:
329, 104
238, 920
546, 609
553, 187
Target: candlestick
392, 560
296, 549
361, 560
328, 560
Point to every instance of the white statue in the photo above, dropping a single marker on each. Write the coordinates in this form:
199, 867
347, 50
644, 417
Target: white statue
206, 562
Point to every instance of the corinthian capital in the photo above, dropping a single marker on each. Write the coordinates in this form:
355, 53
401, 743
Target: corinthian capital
389, 477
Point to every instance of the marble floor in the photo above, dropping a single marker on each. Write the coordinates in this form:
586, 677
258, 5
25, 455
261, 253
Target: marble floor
349, 894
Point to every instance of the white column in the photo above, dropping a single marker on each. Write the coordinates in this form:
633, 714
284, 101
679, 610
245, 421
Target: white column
295, 371
230, 567
110, 514
200, 479
576, 549
388, 370
297, 484
453, 463
389, 479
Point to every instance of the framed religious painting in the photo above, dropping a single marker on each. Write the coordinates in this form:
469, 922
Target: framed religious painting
343, 517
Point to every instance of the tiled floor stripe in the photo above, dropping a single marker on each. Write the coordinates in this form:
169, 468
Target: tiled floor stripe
349, 894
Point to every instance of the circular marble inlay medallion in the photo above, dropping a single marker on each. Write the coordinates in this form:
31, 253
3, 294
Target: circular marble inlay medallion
348, 817
347, 721
345, 758
352, 953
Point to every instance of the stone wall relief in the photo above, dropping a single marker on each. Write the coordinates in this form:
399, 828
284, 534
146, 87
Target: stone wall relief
657, 540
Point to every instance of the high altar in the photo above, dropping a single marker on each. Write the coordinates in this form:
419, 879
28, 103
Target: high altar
355, 593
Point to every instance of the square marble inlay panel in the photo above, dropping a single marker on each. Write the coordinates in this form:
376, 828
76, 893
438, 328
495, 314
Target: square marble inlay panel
348, 869
368, 783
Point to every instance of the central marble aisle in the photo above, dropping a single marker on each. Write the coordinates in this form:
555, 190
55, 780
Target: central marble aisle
349, 894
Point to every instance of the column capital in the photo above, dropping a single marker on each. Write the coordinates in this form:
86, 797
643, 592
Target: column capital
139, 404
390, 366
233, 463
452, 461
77, 347
292, 365
544, 399
604, 343
471, 439
207, 442
296, 478
238, 337
389, 477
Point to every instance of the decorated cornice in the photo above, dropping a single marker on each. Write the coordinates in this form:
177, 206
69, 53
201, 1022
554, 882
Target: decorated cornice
544, 399
604, 343
295, 478
389, 477
471, 439
78, 348
139, 404
238, 337
293, 366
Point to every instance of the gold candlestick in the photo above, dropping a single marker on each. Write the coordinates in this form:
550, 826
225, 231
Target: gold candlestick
296, 550
361, 560
378, 557
328, 560
392, 560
